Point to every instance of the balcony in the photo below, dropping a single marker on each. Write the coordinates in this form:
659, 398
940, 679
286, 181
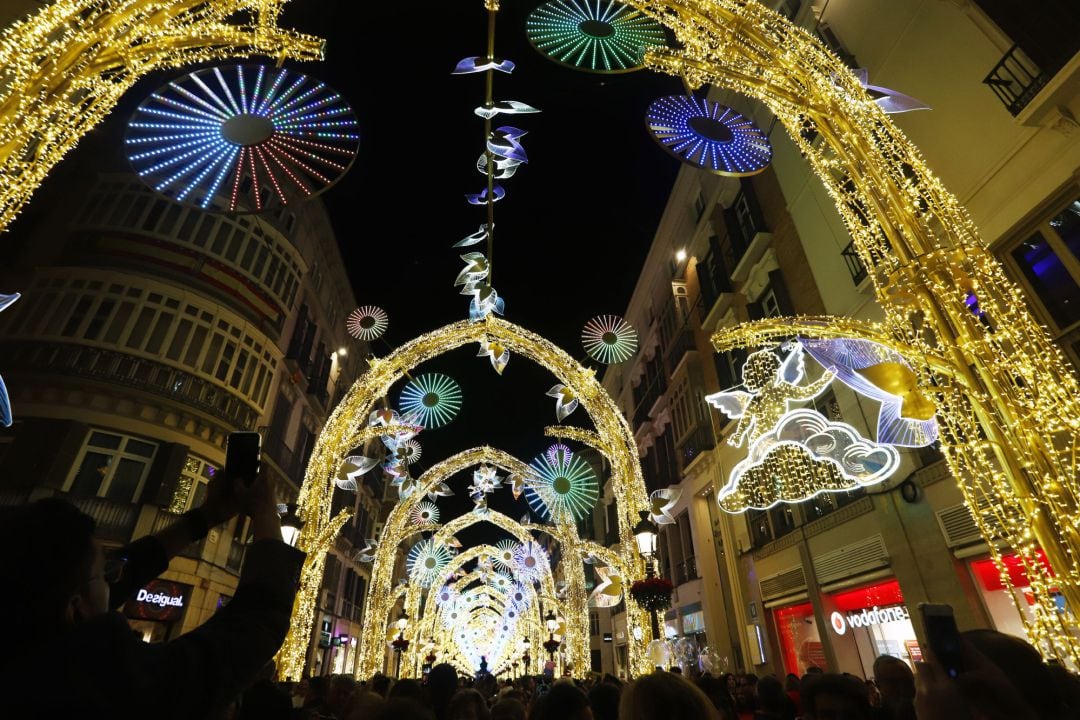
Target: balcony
1016, 80
854, 264
119, 368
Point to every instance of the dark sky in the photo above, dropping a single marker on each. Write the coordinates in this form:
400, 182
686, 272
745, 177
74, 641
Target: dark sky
571, 235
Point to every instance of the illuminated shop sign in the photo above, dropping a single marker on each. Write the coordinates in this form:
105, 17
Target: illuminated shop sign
869, 616
160, 600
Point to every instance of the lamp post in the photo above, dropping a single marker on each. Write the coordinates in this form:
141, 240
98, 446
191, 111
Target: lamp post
646, 534
551, 644
291, 524
526, 658
401, 643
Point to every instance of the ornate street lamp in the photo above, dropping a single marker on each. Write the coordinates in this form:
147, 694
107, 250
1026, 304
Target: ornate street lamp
646, 534
526, 658
551, 644
400, 643
291, 524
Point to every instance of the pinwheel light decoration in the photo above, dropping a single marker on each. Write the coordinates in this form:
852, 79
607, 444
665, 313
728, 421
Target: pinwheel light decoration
351, 469
602, 36
563, 488
497, 352
424, 513
486, 480
433, 398
500, 581
5, 402
609, 339
708, 135
505, 555
566, 401
367, 322
519, 597
609, 591
530, 562
661, 503
426, 561
235, 137
408, 452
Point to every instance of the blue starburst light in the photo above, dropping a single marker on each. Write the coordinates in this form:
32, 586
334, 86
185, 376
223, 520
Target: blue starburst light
708, 135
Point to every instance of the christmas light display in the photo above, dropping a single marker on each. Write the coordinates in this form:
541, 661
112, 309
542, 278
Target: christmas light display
367, 323
426, 561
561, 486
708, 135
609, 590
609, 339
425, 513
497, 353
566, 401
433, 398
505, 555
226, 137
351, 469
530, 562
890, 101
661, 503
601, 36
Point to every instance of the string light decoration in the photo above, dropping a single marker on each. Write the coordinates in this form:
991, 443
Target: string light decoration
708, 135
67, 65
609, 339
221, 137
433, 398
561, 485
1008, 406
367, 323
599, 36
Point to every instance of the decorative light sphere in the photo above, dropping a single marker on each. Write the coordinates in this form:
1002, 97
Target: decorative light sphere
433, 399
708, 135
599, 36
367, 323
240, 138
609, 339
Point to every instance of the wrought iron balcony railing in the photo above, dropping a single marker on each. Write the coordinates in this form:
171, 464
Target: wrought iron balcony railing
1016, 79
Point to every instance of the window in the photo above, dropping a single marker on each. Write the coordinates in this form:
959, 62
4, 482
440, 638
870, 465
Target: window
191, 487
699, 205
111, 466
770, 306
594, 624
1049, 260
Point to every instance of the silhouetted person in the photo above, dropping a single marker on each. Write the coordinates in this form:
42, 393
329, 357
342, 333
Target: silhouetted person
442, 683
604, 701
67, 655
508, 708
663, 696
564, 701
896, 683
467, 704
827, 696
773, 703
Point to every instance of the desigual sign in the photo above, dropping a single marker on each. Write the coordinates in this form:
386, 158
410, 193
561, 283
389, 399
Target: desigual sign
161, 600
868, 617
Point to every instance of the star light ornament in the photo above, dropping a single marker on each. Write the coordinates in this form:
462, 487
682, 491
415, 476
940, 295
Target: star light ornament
485, 480
609, 591
426, 561
563, 487
709, 136
497, 352
566, 401
609, 339
351, 469
433, 398
367, 323
794, 454
531, 562
424, 513
227, 137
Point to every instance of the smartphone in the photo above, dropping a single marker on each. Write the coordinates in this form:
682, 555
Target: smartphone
943, 636
243, 455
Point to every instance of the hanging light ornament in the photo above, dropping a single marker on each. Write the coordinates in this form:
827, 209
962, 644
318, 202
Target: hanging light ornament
609, 339
563, 488
367, 322
433, 398
497, 351
530, 562
235, 137
600, 37
566, 401
426, 561
505, 555
708, 135
424, 513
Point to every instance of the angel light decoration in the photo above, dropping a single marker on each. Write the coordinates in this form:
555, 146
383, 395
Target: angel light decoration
793, 453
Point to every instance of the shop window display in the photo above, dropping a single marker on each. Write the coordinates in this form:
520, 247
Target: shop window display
1001, 604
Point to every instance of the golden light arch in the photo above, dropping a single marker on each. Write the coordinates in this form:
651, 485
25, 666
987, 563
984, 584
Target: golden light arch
348, 424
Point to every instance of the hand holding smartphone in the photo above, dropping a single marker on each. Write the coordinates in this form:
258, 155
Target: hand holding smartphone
243, 456
943, 637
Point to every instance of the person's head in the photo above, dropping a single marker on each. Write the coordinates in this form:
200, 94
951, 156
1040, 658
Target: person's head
716, 689
60, 570
791, 683
508, 708
442, 681
604, 700
340, 692
663, 696
1039, 686
467, 704
771, 697
364, 705
827, 696
402, 709
895, 681
564, 701
381, 684
411, 689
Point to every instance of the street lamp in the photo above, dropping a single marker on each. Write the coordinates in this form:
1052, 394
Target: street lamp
401, 643
526, 658
646, 533
291, 524
551, 644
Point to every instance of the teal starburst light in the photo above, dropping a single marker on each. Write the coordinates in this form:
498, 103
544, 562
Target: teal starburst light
599, 36
563, 486
433, 399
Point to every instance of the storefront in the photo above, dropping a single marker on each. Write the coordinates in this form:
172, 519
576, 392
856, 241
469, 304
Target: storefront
158, 608
1001, 603
800, 641
876, 617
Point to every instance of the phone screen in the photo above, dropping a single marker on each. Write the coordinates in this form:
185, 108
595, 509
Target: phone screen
242, 456
944, 637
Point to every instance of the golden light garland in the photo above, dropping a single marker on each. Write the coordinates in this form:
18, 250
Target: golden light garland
346, 425
1007, 401
63, 69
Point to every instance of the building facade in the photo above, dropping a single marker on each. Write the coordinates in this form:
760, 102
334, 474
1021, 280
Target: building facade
834, 581
147, 331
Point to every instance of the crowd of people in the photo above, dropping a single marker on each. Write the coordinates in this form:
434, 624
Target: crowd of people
69, 654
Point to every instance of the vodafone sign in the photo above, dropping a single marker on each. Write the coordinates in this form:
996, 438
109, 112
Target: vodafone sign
867, 617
